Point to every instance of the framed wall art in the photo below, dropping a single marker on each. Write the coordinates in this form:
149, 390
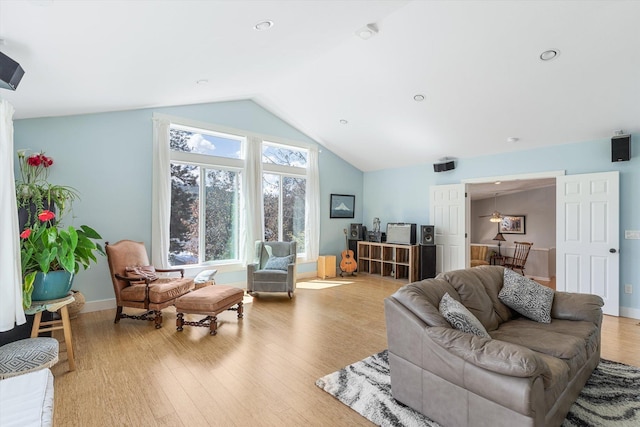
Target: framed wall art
512, 224
342, 206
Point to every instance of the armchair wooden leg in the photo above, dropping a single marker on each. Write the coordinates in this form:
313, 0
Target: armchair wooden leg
180, 321
118, 314
158, 319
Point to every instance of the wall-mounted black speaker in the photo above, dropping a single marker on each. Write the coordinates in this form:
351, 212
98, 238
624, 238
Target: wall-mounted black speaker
10, 72
356, 232
427, 262
427, 235
621, 148
442, 167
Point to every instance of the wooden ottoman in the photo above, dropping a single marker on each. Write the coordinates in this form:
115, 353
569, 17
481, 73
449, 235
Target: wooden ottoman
209, 301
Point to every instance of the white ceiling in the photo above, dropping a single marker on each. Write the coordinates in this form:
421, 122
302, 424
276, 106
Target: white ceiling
476, 62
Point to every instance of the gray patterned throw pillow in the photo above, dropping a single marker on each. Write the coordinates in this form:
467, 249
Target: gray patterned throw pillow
460, 317
527, 297
278, 262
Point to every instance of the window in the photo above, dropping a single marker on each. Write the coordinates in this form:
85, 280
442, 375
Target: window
284, 187
205, 188
221, 183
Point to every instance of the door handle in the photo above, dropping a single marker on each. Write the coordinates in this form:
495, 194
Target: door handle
612, 250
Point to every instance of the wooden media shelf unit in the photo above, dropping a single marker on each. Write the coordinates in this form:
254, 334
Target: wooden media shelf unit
398, 262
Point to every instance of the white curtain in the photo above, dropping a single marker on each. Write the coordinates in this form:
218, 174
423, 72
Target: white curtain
11, 311
161, 205
252, 203
312, 220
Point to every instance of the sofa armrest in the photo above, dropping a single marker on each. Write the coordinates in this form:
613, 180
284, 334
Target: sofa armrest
574, 306
493, 355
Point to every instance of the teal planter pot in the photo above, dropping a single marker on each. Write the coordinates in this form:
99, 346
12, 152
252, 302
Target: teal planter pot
51, 285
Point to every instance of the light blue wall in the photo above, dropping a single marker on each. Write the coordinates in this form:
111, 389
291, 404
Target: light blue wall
403, 194
108, 158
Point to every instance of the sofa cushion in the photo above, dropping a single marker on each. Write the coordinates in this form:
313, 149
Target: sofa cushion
527, 297
461, 318
526, 333
478, 288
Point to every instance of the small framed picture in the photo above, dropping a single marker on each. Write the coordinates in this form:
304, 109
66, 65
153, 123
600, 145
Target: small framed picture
512, 224
342, 206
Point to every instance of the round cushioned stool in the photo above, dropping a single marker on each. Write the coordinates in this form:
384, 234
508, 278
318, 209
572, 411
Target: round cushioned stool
27, 355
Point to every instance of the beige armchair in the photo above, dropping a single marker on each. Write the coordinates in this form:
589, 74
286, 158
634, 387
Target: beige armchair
137, 285
478, 256
273, 269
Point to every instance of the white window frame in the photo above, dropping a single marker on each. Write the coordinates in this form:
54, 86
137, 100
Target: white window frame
233, 164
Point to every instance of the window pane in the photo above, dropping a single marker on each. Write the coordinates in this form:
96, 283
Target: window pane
285, 156
183, 226
293, 208
197, 141
222, 213
271, 191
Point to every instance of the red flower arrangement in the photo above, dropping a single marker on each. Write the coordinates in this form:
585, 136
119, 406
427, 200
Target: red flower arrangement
33, 167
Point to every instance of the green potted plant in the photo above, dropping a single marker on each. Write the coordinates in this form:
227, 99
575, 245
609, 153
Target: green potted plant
51, 254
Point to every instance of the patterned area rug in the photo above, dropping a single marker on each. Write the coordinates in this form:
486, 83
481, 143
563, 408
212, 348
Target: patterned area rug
611, 397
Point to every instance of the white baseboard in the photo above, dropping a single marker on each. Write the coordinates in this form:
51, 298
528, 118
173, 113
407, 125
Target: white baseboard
633, 313
103, 304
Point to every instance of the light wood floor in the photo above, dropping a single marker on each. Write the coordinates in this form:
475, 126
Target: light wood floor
259, 371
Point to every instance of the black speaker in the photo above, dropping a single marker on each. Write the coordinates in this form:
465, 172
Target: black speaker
621, 148
427, 261
357, 232
10, 72
442, 167
427, 235
353, 246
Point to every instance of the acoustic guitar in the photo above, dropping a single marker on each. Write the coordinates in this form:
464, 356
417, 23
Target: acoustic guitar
348, 263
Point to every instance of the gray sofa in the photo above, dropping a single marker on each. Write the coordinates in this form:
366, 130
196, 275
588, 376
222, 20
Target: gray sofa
526, 374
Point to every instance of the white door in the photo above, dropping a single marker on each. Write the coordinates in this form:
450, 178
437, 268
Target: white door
587, 236
448, 207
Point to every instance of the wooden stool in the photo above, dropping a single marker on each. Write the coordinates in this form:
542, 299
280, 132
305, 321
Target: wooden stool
56, 305
209, 301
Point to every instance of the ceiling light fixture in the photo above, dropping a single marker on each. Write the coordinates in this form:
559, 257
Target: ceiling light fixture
513, 139
202, 81
368, 31
418, 98
343, 122
550, 54
263, 25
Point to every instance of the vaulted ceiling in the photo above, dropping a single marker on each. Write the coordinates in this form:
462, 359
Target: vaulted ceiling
476, 63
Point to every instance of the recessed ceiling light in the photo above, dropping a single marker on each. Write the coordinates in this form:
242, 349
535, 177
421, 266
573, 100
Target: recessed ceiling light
368, 31
513, 139
202, 81
343, 122
418, 98
263, 25
550, 54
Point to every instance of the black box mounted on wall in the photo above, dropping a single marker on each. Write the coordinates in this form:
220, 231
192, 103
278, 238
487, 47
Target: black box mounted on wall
442, 167
10, 72
621, 148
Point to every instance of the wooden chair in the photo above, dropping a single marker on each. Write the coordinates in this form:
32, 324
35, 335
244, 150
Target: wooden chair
136, 284
519, 258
